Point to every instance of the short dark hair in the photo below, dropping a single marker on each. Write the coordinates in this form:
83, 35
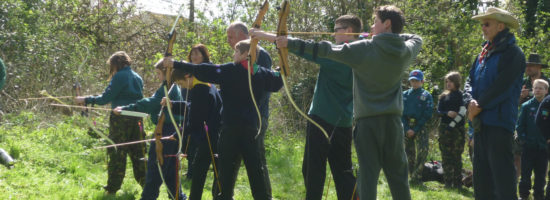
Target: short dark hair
350, 21
178, 74
160, 66
203, 50
394, 14
243, 46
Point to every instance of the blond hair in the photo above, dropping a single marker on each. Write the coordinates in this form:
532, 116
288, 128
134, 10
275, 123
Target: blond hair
541, 81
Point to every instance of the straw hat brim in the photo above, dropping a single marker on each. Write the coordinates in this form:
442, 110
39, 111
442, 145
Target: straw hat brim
509, 20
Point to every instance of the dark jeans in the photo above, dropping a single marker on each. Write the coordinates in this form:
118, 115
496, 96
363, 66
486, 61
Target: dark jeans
494, 171
548, 186
189, 148
201, 164
338, 153
379, 142
238, 143
533, 160
153, 179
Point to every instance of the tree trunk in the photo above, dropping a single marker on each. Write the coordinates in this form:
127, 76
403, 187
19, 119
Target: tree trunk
191, 11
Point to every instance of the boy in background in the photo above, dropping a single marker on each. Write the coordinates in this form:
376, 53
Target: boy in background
417, 110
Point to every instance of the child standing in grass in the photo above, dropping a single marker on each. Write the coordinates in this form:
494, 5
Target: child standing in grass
125, 88
534, 155
451, 130
197, 55
240, 122
417, 110
204, 107
152, 106
542, 121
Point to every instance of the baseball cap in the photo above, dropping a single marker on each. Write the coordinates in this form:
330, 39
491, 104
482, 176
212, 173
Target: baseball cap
417, 75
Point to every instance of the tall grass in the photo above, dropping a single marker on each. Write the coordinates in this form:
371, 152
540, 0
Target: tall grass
56, 160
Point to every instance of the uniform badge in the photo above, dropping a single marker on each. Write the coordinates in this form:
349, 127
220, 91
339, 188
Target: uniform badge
545, 113
423, 98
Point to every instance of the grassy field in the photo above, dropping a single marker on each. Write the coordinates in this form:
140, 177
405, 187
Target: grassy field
56, 160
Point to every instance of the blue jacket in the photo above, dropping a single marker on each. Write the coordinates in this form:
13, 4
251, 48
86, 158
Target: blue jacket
126, 87
543, 117
495, 82
528, 131
152, 105
417, 105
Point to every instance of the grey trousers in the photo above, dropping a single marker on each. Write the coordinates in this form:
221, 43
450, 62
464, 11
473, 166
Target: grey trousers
379, 145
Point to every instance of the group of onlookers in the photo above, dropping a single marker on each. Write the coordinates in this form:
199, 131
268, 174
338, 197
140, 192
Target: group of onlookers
359, 82
507, 117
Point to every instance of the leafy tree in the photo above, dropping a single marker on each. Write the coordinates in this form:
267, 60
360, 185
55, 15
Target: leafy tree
52, 44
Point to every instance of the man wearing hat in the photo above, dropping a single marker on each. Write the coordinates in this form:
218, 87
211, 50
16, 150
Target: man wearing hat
417, 110
492, 96
533, 72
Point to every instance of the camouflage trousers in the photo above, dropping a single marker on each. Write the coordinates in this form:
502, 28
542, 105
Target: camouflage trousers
451, 144
417, 149
125, 129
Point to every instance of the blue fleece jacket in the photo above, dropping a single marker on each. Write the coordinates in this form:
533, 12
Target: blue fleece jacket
526, 127
417, 105
152, 105
495, 82
543, 117
126, 87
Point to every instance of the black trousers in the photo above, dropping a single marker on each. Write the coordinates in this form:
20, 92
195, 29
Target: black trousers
533, 160
238, 143
494, 171
548, 186
338, 154
201, 163
190, 148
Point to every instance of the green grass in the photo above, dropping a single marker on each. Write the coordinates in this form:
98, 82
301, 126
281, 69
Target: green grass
55, 159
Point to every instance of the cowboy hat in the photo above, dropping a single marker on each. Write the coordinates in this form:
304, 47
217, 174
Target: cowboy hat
499, 15
534, 59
